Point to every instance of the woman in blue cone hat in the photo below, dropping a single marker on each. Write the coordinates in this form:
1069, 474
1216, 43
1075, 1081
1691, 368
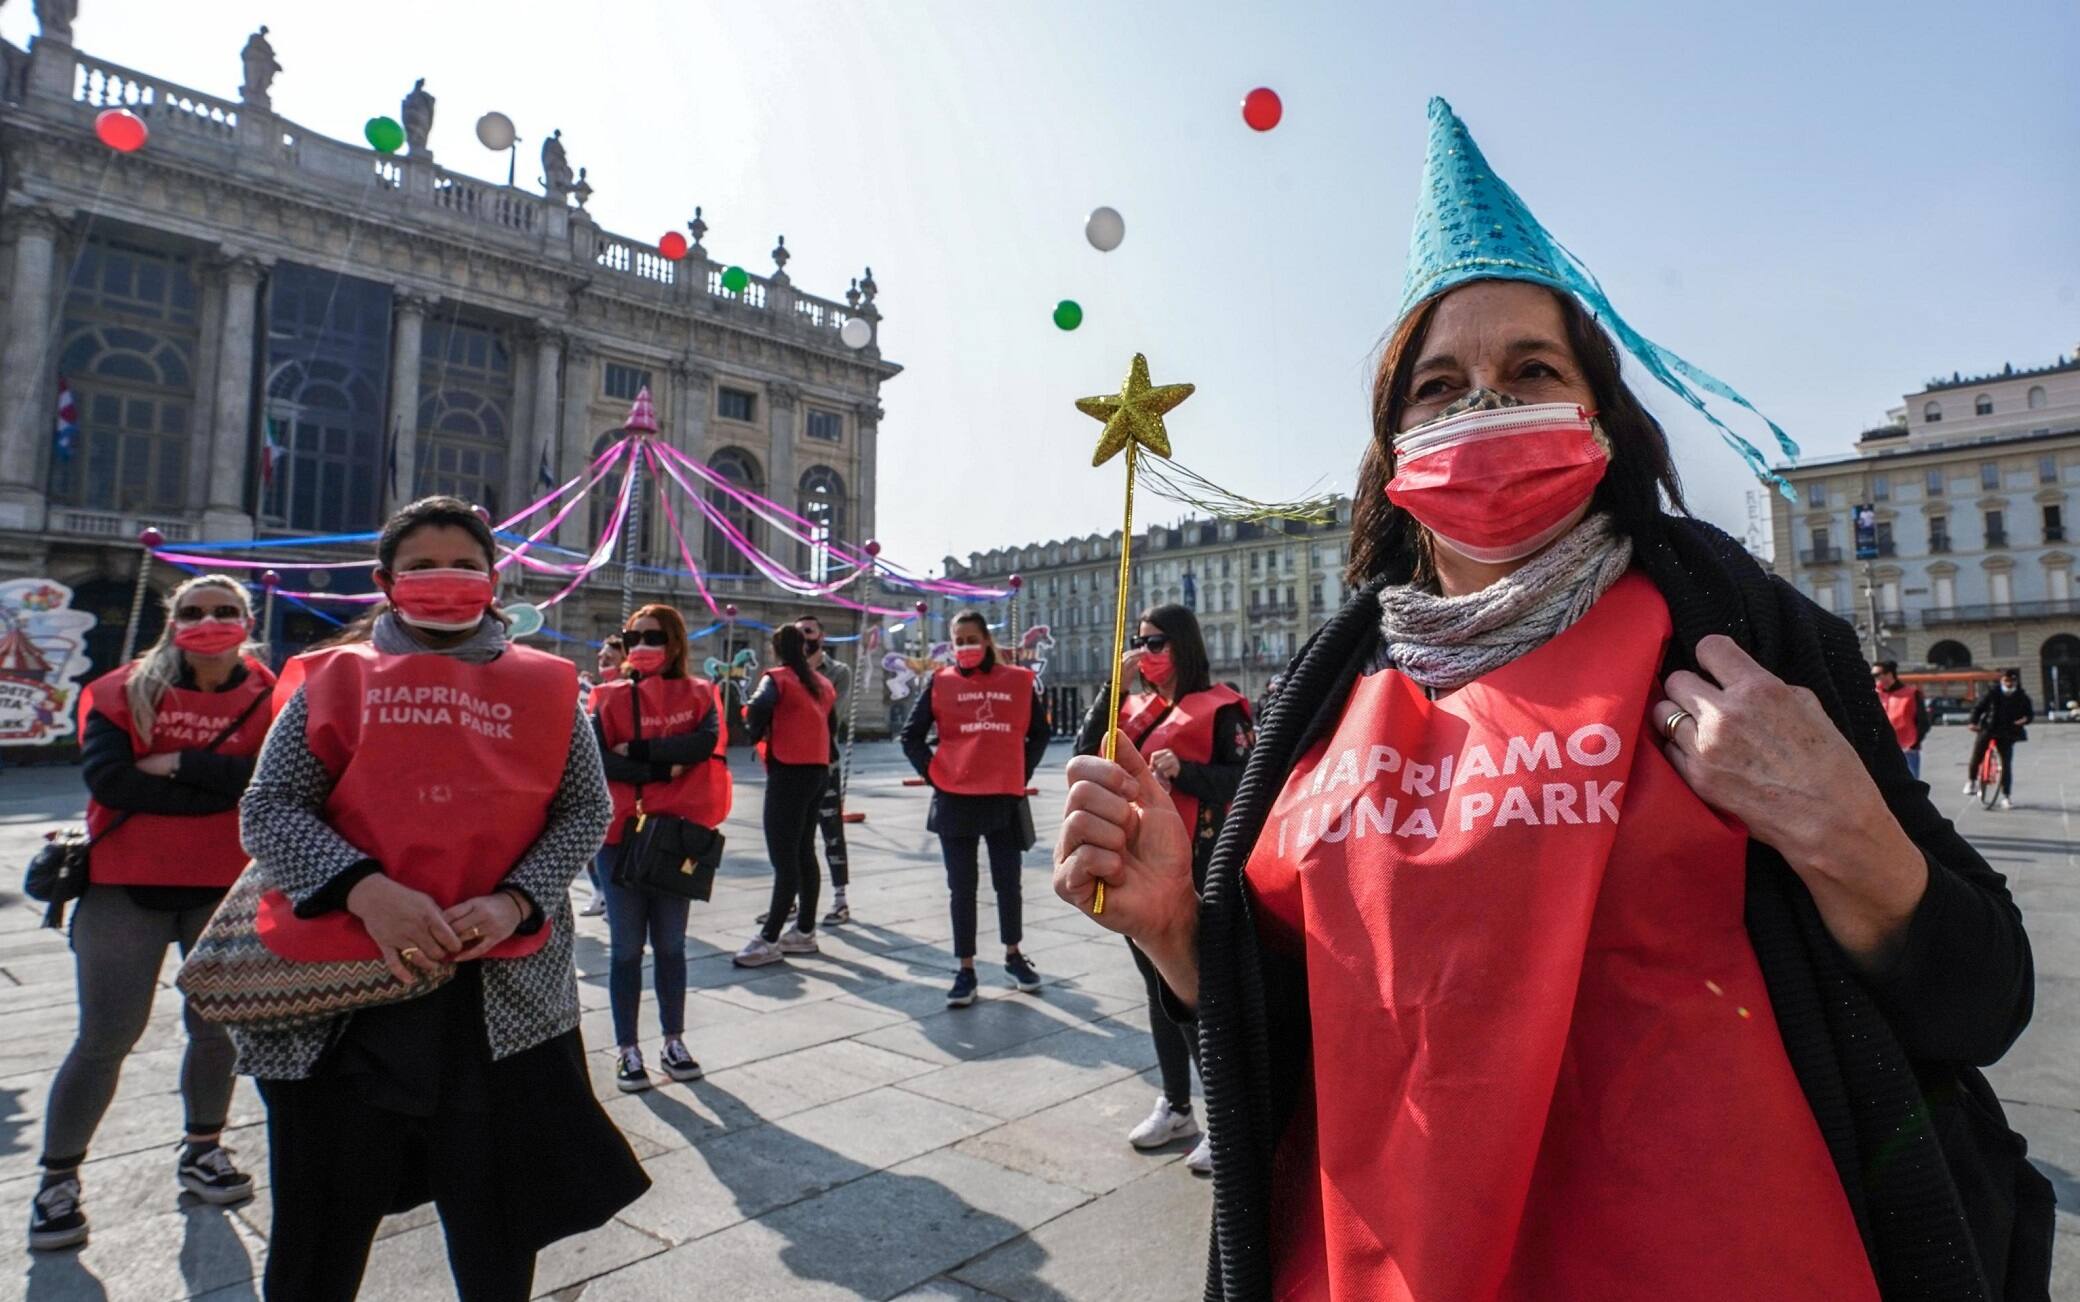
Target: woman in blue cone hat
1577, 930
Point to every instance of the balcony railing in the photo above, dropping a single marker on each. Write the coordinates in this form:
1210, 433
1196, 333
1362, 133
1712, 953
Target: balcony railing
1820, 556
1275, 610
1939, 544
1996, 537
1940, 616
116, 525
2054, 533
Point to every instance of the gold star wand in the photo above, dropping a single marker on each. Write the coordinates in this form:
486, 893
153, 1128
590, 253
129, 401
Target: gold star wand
1133, 420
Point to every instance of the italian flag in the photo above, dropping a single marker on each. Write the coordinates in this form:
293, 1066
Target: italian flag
271, 453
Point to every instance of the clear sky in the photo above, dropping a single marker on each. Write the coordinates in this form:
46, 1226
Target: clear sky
1825, 204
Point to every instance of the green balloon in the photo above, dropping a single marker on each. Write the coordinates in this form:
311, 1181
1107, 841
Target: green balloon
736, 280
385, 136
1068, 314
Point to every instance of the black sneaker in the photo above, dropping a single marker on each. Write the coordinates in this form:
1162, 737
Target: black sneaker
677, 1062
963, 992
629, 1076
841, 912
792, 909
210, 1176
55, 1218
1022, 974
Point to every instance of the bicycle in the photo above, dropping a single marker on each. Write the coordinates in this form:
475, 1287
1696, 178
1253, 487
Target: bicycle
1989, 776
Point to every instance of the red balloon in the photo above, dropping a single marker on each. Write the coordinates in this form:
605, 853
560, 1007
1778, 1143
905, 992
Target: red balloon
871, 547
121, 130
730, 610
672, 246
1262, 109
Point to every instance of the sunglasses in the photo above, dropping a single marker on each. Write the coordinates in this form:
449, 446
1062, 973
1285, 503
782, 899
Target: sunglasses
1153, 642
649, 637
196, 614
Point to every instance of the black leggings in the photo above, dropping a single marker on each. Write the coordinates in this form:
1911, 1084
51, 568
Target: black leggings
792, 794
830, 816
2006, 747
1175, 1049
963, 870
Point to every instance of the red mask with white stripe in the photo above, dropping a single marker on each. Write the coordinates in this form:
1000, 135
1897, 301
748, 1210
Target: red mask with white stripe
1495, 482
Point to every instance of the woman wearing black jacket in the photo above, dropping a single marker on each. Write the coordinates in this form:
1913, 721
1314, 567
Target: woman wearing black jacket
1577, 929
1195, 735
169, 747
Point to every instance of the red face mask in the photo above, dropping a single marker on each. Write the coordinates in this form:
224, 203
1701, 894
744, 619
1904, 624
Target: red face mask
1156, 667
969, 657
1497, 485
645, 659
441, 601
209, 637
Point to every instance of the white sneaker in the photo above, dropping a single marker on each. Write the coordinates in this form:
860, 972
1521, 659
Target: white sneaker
1200, 1160
757, 952
595, 905
1971, 788
1162, 1126
796, 941
2007, 803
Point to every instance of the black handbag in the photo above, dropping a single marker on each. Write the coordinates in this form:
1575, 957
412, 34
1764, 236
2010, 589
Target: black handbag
58, 873
664, 852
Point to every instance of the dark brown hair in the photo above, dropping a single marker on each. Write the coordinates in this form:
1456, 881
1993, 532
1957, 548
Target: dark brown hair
1387, 542
429, 512
989, 643
793, 650
1188, 667
674, 625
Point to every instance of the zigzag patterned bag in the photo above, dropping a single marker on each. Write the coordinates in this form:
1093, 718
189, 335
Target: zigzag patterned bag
232, 979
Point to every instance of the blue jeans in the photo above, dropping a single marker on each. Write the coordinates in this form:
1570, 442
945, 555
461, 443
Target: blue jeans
1913, 758
633, 912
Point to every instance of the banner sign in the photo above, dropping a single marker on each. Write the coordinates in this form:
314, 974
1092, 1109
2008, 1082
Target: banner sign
1866, 516
43, 653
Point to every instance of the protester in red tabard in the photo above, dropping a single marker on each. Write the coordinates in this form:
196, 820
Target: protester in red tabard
167, 746
656, 724
992, 733
1195, 734
426, 798
1904, 710
790, 716
1577, 929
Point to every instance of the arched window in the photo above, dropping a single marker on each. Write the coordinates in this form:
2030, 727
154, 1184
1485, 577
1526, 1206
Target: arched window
740, 468
465, 411
1932, 412
1950, 655
324, 416
823, 506
129, 332
2036, 397
1983, 405
2061, 660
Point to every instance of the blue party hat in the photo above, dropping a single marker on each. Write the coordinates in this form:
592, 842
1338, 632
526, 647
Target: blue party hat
1471, 226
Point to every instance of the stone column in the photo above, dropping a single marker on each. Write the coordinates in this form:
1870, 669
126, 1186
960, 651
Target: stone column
521, 444
867, 423
782, 479
28, 412
693, 389
575, 439
231, 443
406, 341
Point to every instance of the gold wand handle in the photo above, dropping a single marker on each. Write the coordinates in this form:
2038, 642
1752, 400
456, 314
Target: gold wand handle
1119, 634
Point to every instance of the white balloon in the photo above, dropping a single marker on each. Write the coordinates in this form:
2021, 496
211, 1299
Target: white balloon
857, 332
526, 619
1105, 228
495, 131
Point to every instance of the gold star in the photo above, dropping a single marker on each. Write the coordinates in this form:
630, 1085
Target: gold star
1136, 413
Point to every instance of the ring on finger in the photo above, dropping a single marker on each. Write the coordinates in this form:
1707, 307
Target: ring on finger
474, 933
410, 953
1675, 721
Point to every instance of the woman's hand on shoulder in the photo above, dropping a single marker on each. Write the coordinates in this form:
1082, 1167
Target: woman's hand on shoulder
401, 919
1119, 828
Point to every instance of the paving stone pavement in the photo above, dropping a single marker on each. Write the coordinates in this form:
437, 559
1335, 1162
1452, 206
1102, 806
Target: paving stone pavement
854, 1137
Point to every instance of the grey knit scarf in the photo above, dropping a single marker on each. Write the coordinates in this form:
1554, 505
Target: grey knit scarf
484, 645
1446, 642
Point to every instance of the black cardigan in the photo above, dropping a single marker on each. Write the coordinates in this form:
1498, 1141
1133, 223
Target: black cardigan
1949, 1209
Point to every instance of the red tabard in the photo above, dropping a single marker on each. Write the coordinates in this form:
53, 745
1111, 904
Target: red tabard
1899, 706
176, 849
443, 773
982, 720
1545, 1062
801, 728
671, 707
1187, 731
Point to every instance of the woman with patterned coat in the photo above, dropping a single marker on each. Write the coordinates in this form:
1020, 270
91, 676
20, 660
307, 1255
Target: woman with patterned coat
427, 798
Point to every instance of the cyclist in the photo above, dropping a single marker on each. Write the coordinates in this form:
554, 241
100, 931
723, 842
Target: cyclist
1999, 719
1904, 710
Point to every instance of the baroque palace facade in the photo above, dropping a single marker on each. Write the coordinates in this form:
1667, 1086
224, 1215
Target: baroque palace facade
267, 333
1972, 483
